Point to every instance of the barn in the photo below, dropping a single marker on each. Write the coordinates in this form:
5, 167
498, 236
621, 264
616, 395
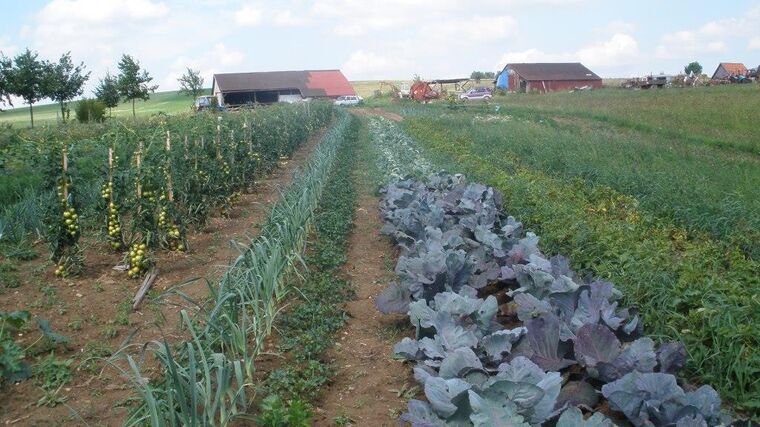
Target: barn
279, 86
727, 69
547, 77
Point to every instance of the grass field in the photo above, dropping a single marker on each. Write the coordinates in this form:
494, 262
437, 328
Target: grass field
638, 188
166, 102
720, 115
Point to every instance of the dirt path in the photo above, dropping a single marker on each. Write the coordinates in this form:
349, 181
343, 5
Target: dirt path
86, 308
376, 111
362, 389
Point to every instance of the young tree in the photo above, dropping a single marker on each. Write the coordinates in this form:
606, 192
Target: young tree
5, 95
133, 82
191, 83
27, 79
107, 92
64, 82
693, 67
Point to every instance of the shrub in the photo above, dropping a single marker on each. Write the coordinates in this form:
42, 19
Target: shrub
90, 110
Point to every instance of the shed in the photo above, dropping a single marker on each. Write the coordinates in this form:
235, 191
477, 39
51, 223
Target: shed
547, 77
279, 86
726, 70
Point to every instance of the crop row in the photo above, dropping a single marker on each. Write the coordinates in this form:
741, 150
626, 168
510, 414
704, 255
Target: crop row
144, 185
207, 378
687, 287
469, 275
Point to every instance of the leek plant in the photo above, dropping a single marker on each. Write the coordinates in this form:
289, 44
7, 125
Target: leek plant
207, 379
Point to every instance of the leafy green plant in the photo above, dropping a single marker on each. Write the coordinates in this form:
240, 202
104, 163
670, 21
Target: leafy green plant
51, 372
277, 413
90, 110
12, 365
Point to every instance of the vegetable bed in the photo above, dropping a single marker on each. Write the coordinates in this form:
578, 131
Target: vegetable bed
507, 336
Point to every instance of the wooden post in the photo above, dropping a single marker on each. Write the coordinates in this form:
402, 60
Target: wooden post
65, 185
169, 187
138, 161
187, 153
110, 174
219, 142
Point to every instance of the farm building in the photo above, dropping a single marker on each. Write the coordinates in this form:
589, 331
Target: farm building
546, 77
279, 86
727, 69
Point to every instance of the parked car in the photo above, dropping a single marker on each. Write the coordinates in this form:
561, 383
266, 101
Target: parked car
483, 93
206, 102
349, 100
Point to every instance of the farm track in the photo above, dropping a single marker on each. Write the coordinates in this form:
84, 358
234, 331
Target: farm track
92, 300
366, 374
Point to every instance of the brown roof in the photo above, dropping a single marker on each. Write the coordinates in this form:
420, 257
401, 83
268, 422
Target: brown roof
733, 67
553, 71
311, 83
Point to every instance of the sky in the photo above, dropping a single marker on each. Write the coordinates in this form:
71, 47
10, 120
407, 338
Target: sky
383, 39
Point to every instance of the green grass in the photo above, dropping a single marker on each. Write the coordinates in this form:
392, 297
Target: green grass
688, 287
167, 102
702, 188
720, 115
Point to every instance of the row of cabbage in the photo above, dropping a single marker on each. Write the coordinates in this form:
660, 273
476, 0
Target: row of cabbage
208, 379
506, 336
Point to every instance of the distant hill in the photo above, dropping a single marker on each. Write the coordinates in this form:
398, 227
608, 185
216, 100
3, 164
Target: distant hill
167, 102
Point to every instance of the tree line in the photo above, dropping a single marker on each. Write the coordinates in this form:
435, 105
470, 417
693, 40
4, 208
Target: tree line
32, 79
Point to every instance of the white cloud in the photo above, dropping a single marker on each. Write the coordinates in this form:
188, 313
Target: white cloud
218, 59
6, 47
470, 30
365, 65
620, 50
355, 18
248, 16
754, 44
711, 38
286, 18
616, 27
99, 11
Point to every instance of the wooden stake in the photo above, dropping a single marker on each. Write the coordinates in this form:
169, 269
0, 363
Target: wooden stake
169, 187
146, 284
110, 173
65, 186
138, 160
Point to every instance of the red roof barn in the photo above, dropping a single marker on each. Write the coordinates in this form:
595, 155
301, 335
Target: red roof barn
728, 69
549, 77
279, 86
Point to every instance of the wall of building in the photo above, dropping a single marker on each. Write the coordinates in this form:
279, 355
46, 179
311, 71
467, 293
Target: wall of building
561, 85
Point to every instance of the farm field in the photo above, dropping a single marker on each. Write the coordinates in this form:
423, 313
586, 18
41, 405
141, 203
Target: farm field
286, 297
718, 115
652, 213
160, 102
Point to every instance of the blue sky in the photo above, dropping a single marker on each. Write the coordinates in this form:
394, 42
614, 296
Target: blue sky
388, 39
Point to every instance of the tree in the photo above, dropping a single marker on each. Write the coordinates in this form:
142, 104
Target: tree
90, 110
693, 67
107, 92
191, 83
5, 95
133, 82
27, 78
480, 75
64, 82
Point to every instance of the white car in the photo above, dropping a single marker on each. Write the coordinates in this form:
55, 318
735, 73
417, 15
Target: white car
349, 100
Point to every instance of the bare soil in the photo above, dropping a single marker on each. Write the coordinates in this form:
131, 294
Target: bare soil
369, 387
377, 111
87, 308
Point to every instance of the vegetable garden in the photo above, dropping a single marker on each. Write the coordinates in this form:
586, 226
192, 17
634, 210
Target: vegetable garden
504, 331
